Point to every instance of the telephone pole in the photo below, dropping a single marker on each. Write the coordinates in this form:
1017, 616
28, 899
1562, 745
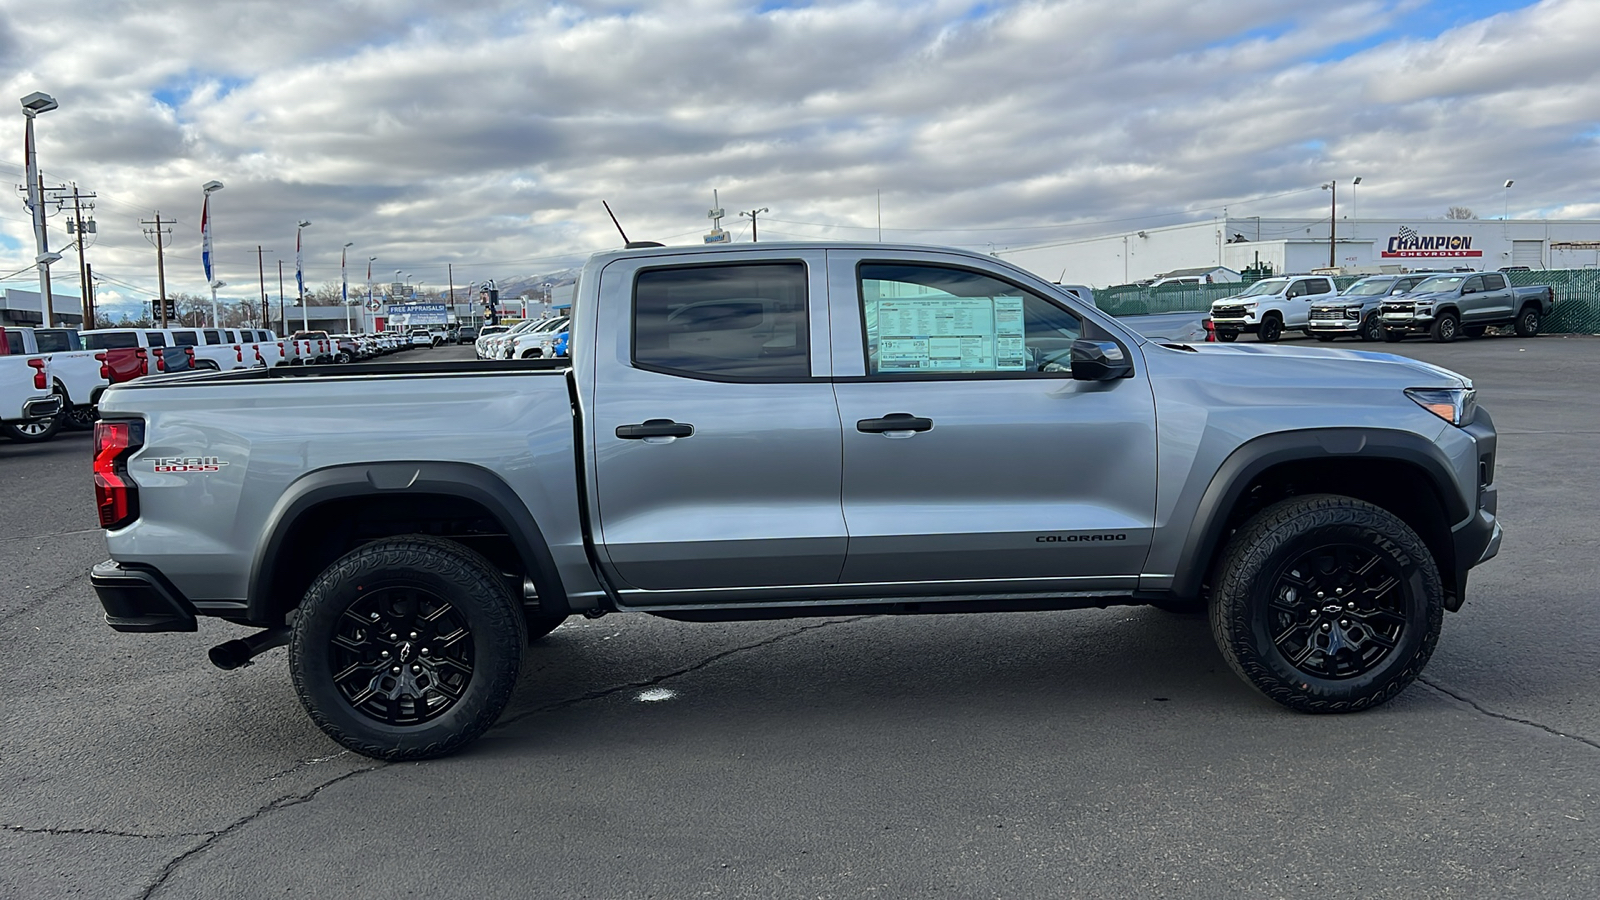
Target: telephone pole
282, 316
161, 256
752, 214
84, 289
261, 273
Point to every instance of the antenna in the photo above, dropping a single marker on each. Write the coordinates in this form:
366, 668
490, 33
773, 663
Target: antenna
615, 222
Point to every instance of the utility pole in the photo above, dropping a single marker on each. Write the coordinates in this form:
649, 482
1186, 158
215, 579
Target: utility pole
161, 257
83, 267
450, 276
1332, 188
88, 298
752, 214
261, 273
283, 317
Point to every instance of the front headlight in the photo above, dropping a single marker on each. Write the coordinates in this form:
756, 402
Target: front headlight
1352, 312
1454, 405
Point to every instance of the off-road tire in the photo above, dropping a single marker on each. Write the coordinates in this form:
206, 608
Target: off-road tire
1529, 321
1446, 328
474, 592
1372, 329
1250, 606
1393, 336
1270, 329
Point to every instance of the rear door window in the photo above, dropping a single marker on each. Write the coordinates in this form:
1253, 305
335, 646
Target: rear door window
57, 341
116, 340
156, 338
185, 339
739, 322
1494, 281
213, 336
14, 343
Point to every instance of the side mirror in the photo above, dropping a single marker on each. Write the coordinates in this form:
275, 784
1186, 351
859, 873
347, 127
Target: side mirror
1099, 361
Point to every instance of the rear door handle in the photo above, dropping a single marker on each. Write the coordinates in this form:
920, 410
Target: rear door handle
655, 428
895, 424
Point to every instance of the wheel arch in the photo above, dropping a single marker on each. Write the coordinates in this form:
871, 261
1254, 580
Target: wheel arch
1401, 472
326, 513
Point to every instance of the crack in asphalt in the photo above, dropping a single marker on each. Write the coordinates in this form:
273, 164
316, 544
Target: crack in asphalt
1505, 718
657, 679
213, 837
100, 832
40, 537
42, 594
268, 809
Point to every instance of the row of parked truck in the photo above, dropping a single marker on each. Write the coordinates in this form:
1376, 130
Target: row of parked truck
52, 378
1442, 305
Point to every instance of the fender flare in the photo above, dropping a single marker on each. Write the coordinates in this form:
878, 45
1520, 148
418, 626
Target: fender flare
352, 480
1257, 455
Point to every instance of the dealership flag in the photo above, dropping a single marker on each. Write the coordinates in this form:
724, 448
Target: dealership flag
299, 266
205, 238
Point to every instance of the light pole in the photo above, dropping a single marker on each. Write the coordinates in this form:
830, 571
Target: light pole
344, 285
369, 310
209, 188
300, 276
1333, 217
33, 104
1506, 209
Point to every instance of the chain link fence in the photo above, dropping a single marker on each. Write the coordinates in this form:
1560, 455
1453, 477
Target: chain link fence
1577, 297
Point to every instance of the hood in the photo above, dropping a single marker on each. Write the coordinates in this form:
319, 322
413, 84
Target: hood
1425, 296
1337, 366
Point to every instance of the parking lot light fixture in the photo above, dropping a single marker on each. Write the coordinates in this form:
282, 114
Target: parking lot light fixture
1505, 209
33, 104
344, 285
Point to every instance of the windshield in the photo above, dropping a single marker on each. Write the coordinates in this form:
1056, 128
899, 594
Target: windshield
1439, 283
1368, 287
1266, 286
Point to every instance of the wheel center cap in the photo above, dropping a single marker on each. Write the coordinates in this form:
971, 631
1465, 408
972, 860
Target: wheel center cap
1332, 609
405, 650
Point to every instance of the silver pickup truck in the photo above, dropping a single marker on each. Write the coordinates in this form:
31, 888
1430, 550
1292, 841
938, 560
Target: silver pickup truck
780, 430
1450, 305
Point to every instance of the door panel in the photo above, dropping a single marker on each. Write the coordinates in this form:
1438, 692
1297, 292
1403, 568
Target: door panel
1019, 476
747, 495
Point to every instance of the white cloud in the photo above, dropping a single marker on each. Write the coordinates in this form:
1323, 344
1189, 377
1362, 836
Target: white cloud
486, 133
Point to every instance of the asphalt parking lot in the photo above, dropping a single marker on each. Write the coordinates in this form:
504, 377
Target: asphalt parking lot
1098, 753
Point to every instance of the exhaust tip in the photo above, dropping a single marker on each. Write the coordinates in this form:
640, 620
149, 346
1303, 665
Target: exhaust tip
239, 653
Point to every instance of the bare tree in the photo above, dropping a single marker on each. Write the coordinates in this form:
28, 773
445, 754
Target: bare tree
1460, 212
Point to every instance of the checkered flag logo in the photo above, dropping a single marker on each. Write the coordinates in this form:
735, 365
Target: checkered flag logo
1407, 236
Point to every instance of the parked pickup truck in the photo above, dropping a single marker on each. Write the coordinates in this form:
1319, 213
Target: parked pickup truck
75, 374
777, 430
26, 396
1450, 305
1270, 306
1356, 311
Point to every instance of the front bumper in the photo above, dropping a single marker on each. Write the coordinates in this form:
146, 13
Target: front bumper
140, 600
1477, 540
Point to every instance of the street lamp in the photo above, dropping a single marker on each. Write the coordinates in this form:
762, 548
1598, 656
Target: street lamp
300, 276
344, 285
209, 188
370, 261
1505, 210
33, 104
1333, 217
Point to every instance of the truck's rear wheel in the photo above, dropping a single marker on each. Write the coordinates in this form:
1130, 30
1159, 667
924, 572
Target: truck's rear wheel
1327, 604
407, 648
1528, 322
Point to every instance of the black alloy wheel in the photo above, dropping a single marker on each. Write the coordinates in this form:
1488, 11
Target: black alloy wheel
407, 648
1372, 329
1445, 328
1327, 604
1529, 322
1271, 329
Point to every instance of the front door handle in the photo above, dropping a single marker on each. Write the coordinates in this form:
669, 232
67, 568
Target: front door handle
895, 425
655, 428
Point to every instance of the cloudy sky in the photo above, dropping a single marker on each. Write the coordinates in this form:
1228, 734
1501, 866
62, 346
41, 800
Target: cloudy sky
484, 134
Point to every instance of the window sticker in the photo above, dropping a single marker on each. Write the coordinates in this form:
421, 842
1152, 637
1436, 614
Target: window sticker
947, 333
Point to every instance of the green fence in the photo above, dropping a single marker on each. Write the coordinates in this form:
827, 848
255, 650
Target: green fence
1577, 298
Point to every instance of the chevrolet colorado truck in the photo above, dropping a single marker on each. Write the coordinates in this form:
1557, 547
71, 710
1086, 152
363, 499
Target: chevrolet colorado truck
1357, 310
1447, 306
794, 429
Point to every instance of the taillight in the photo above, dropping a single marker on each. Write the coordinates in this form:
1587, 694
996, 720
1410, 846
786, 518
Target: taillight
1211, 330
188, 353
144, 361
115, 495
281, 351
238, 353
40, 381
105, 366
161, 362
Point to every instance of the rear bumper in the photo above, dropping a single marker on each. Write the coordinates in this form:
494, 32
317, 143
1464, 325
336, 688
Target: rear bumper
41, 407
140, 600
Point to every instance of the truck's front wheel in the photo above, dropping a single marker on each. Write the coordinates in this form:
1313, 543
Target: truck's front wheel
407, 648
1327, 604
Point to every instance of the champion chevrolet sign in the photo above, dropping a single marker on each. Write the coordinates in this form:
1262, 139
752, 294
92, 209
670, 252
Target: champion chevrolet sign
1409, 244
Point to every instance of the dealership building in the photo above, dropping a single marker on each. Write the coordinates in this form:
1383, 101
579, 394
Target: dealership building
1300, 245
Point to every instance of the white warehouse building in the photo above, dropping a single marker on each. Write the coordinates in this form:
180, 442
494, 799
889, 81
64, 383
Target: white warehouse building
1299, 245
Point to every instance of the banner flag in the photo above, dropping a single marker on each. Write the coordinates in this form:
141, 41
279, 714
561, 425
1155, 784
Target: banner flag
205, 238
